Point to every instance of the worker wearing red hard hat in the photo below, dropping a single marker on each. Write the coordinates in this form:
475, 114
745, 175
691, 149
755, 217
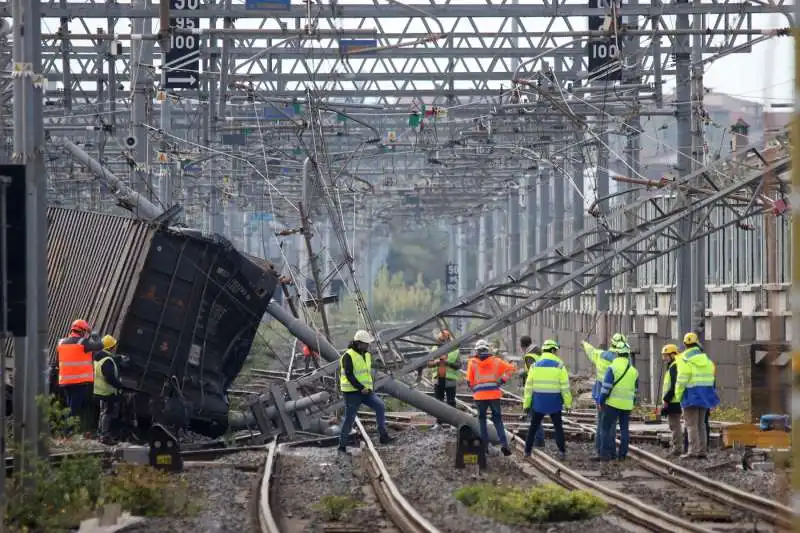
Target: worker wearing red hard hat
74, 367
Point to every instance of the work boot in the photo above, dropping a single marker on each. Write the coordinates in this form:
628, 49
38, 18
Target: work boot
600, 458
562, 456
342, 451
385, 438
505, 451
435, 426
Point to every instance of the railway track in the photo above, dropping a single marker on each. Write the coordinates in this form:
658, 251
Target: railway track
402, 514
763, 509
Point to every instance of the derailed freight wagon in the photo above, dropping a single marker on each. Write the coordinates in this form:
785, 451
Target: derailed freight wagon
184, 307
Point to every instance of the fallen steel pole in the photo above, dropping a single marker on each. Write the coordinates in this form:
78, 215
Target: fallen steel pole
239, 419
385, 383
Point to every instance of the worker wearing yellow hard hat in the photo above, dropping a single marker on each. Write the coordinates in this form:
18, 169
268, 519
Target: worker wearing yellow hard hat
672, 407
695, 389
107, 388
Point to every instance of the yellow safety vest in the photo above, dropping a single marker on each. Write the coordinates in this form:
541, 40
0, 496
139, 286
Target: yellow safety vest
547, 380
101, 386
362, 368
452, 374
667, 383
624, 392
530, 359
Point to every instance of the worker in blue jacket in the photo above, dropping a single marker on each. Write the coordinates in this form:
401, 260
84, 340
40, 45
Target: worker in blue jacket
547, 393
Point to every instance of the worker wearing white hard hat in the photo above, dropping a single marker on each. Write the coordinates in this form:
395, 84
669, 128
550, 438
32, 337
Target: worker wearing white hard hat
363, 336
355, 382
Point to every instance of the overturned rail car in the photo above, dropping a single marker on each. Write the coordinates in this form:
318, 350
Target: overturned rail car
184, 307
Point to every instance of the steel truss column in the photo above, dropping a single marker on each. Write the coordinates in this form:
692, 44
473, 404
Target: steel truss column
497, 247
482, 249
31, 352
558, 205
603, 288
543, 230
578, 200
461, 261
141, 57
531, 211
513, 227
632, 159
683, 113
698, 160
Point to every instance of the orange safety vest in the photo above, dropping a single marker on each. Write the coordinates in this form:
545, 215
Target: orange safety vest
75, 365
484, 376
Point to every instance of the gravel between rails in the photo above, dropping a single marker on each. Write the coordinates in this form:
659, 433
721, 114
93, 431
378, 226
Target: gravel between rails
632, 479
725, 466
222, 496
304, 476
421, 465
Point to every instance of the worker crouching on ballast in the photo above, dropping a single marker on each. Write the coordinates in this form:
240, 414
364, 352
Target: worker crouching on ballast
486, 373
355, 382
547, 394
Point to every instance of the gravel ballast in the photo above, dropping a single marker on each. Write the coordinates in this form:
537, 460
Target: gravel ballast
304, 476
422, 466
221, 496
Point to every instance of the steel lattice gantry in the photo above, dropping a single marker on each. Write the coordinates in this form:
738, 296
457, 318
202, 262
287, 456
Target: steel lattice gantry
446, 52
608, 249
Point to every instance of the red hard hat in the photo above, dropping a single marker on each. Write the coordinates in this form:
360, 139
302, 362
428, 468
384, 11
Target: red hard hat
81, 326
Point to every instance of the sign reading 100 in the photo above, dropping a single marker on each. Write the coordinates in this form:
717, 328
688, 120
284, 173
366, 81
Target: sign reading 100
604, 49
184, 42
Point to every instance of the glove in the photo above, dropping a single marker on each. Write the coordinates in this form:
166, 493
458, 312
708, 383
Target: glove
526, 411
567, 411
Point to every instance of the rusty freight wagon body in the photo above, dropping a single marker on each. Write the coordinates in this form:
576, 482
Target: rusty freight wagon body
184, 307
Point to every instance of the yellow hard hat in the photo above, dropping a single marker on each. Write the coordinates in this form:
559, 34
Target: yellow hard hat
669, 349
109, 342
691, 338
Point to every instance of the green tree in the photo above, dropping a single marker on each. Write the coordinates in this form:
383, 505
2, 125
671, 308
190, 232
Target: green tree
393, 300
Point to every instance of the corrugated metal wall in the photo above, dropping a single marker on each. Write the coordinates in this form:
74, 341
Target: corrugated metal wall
93, 265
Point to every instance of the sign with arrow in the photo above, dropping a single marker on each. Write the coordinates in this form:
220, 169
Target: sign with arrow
183, 59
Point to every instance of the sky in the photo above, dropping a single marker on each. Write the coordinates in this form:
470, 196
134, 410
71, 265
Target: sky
765, 75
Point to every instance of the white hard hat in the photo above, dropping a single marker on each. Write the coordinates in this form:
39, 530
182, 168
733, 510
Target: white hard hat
363, 336
481, 344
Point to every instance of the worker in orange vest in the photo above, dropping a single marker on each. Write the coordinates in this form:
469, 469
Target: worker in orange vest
486, 373
75, 369
310, 356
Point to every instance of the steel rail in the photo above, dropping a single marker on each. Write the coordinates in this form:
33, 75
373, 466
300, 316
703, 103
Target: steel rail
266, 519
770, 511
402, 513
632, 509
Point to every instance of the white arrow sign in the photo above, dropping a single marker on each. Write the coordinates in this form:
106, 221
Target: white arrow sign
190, 80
